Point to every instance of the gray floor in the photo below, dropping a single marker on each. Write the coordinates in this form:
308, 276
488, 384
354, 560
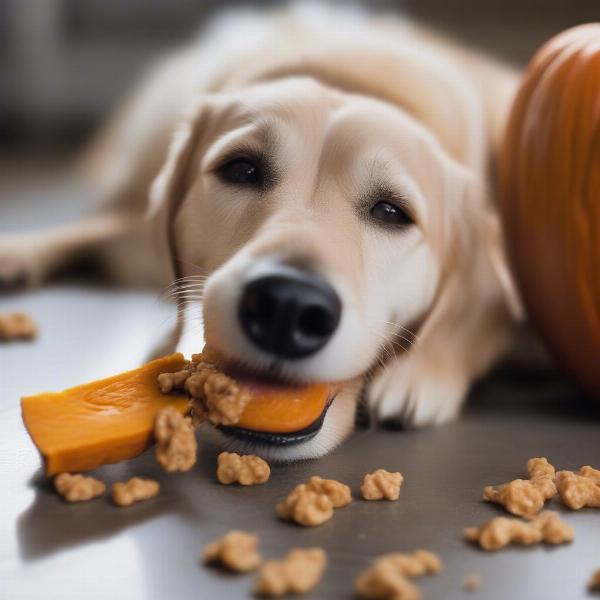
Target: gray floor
93, 550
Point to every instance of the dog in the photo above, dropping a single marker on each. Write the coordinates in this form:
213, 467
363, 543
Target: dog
319, 188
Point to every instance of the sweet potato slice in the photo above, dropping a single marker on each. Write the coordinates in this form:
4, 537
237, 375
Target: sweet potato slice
282, 409
101, 422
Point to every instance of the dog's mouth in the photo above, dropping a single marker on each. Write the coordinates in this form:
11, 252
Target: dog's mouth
274, 438
279, 412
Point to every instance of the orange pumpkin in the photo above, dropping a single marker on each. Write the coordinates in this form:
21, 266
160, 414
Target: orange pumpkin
550, 197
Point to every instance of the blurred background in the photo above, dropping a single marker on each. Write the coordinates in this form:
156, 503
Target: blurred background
64, 64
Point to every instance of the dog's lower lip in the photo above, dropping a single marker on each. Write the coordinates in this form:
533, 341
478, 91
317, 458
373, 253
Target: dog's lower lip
278, 439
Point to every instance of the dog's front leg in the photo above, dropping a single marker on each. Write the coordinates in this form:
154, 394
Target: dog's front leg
29, 259
417, 390
427, 384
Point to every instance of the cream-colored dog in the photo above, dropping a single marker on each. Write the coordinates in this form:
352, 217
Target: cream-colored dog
327, 197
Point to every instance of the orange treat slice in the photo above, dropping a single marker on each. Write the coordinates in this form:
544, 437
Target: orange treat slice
278, 409
101, 422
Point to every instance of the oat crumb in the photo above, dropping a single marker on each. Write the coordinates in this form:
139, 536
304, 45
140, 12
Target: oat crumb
594, 582
77, 487
306, 506
214, 395
176, 444
578, 491
339, 493
388, 578
236, 551
243, 469
299, 572
381, 484
134, 490
312, 503
525, 497
17, 326
168, 382
590, 473
472, 582
501, 531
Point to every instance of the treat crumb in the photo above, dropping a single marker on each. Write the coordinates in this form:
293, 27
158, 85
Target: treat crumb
472, 582
577, 491
225, 400
78, 488
236, 551
594, 582
501, 531
306, 506
388, 577
214, 395
169, 382
590, 473
525, 497
299, 572
381, 484
519, 497
17, 326
176, 444
243, 469
134, 490
339, 493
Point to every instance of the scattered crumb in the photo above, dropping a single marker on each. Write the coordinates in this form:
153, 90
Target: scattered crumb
501, 531
225, 400
383, 582
339, 493
525, 497
176, 444
78, 488
577, 491
541, 474
17, 326
472, 582
594, 582
236, 550
245, 469
381, 484
306, 507
388, 576
590, 473
312, 503
169, 382
300, 571
134, 490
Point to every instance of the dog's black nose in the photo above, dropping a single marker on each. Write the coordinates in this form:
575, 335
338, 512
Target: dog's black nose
291, 314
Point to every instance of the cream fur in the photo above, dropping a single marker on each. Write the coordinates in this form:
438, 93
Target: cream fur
342, 104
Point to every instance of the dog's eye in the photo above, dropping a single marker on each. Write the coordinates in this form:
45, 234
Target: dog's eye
241, 171
389, 213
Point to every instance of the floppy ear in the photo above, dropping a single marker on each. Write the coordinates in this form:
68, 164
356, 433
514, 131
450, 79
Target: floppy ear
493, 242
469, 321
173, 182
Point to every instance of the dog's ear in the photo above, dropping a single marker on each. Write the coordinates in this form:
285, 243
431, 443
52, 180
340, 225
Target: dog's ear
174, 180
492, 237
476, 299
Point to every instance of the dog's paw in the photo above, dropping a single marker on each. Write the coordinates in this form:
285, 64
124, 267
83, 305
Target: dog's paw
415, 395
19, 267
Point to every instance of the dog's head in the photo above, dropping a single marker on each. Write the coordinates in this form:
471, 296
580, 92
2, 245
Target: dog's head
328, 226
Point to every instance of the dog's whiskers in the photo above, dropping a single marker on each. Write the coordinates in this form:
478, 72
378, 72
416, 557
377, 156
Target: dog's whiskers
183, 285
187, 278
183, 297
